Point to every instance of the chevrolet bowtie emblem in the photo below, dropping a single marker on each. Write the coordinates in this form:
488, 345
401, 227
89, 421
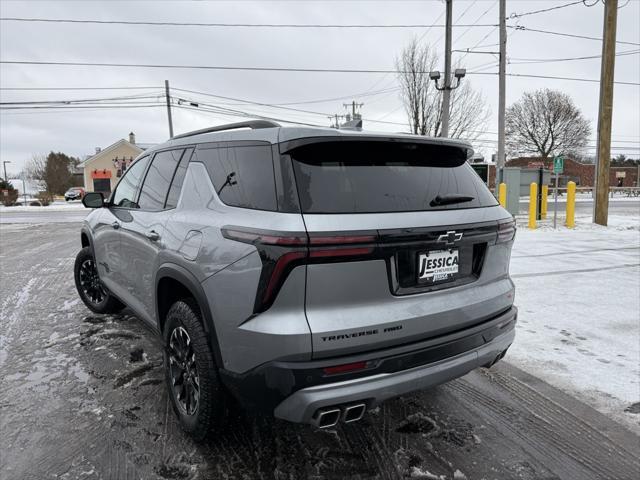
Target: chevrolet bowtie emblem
450, 237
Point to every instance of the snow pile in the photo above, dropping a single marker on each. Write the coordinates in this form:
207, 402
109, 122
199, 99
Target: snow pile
578, 293
57, 206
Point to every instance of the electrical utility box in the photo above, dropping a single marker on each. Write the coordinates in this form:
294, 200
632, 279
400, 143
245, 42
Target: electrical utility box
511, 176
531, 175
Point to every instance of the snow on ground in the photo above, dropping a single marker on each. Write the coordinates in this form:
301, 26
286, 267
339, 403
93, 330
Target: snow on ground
578, 292
56, 206
585, 197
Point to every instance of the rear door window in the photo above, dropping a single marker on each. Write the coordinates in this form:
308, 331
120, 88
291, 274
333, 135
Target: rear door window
376, 177
156, 184
178, 179
242, 175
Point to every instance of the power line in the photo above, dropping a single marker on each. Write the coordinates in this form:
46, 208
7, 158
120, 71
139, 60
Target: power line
487, 35
550, 60
244, 114
82, 100
311, 112
203, 67
561, 34
424, 34
550, 77
61, 107
301, 102
79, 88
557, 7
70, 109
491, 7
275, 69
249, 102
230, 25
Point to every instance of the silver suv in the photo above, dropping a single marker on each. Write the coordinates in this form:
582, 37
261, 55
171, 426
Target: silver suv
308, 273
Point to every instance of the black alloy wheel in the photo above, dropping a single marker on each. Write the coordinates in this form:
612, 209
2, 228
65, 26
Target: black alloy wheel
184, 371
90, 282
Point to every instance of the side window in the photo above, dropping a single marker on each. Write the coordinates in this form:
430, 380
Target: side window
125, 194
242, 176
156, 184
178, 179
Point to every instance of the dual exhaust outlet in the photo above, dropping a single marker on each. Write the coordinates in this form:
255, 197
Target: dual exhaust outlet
329, 417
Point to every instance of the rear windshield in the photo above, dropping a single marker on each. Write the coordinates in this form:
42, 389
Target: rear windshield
371, 177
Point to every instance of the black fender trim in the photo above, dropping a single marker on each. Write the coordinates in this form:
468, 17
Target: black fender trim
182, 275
87, 231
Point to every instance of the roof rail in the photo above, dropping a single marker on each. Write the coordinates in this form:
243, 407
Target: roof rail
253, 124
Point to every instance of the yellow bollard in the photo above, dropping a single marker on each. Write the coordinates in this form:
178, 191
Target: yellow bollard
571, 204
502, 194
543, 204
533, 203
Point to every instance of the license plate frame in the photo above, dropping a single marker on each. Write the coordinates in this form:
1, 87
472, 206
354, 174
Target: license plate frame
443, 270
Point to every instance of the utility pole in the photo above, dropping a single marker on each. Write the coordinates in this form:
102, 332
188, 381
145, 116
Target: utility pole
336, 121
446, 94
603, 159
4, 165
353, 119
501, 91
354, 108
168, 98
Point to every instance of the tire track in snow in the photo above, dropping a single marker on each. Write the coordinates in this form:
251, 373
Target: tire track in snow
578, 428
570, 272
563, 442
571, 252
8, 322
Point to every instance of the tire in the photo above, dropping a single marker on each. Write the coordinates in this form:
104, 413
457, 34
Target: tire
210, 409
95, 296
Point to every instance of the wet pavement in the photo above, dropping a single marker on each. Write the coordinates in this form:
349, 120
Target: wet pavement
83, 396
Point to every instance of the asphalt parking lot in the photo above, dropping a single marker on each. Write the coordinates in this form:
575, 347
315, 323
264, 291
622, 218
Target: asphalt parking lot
82, 396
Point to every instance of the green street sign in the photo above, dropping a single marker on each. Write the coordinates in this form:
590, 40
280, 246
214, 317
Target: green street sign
558, 164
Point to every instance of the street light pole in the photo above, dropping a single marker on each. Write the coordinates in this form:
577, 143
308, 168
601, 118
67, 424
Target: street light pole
24, 191
501, 91
446, 94
4, 165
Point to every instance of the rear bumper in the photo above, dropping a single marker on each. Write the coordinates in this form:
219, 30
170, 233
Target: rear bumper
302, 405
295, 390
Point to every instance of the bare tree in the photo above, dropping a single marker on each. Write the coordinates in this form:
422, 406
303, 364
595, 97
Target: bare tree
35, 168
423, 102
545, 122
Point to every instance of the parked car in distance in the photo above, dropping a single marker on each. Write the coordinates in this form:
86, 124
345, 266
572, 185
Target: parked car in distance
74, 193
308, 273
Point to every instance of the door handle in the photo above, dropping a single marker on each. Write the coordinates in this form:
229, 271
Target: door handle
116, 225
153, 235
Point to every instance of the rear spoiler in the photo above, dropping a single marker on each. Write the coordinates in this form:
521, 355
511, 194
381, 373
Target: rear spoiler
465, 148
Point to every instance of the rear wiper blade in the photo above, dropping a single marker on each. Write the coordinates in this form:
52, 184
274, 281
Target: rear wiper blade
449, 199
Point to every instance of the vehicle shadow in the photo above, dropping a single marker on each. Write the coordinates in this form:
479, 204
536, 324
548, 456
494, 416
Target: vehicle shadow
403, 437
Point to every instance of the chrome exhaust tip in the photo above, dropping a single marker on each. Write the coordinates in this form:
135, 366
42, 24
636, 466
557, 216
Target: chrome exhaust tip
353, 413
326, 418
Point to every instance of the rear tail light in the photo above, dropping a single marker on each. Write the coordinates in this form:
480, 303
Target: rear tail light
506, 230
280, 252
346, 368
335, 246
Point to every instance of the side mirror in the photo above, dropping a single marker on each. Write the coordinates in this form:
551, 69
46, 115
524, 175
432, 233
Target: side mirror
93, 200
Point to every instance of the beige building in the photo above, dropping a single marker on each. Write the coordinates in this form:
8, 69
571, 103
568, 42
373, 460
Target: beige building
103, 169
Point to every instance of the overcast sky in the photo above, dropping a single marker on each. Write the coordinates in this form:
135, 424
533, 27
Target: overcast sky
78, 131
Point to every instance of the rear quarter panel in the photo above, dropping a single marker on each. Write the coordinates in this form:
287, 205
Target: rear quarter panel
229, 272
